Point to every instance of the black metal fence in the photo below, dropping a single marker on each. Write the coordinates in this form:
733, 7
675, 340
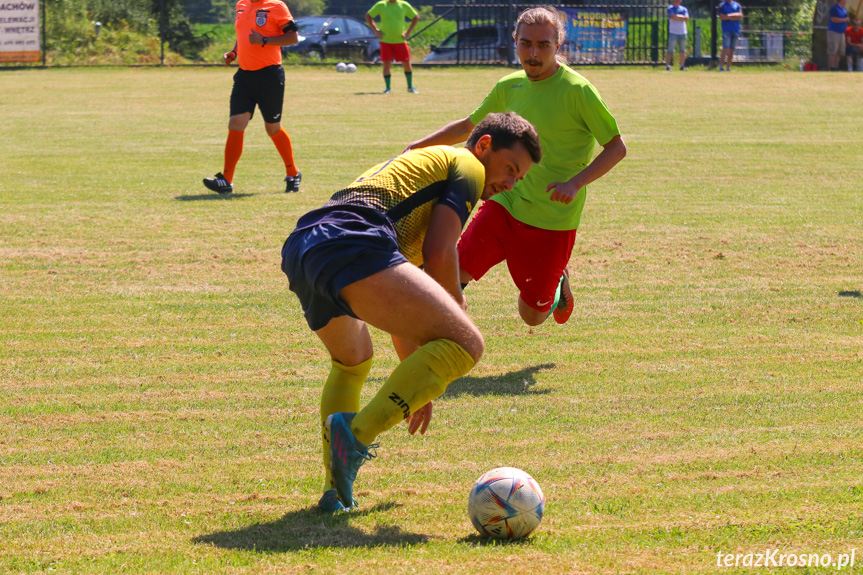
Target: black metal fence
638, 34
155, 32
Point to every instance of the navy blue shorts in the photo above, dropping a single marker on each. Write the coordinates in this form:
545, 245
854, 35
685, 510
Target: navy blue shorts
332, 248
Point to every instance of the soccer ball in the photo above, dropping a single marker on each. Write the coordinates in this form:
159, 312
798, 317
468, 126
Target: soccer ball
506, 503
341, 67
351, 68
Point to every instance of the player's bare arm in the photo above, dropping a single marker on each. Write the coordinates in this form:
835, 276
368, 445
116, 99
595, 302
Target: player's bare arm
612, 153
452, 133
440, 261
440, 258
371, 22
406, 34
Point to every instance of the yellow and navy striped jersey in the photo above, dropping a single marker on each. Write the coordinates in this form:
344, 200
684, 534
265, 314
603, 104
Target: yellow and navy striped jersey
408, 187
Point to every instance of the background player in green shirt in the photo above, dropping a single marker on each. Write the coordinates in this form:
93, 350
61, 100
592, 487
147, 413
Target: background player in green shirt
533, 226
355, 262
393, 36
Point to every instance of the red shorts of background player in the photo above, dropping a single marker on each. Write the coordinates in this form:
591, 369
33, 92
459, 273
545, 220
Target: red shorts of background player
535, 257
397, 52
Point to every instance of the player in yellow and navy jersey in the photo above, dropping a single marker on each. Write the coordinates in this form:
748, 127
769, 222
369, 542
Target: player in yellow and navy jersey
355, 262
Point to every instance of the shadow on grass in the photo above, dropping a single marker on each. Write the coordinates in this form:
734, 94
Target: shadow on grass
197, 197
518, 382
308, 528
854, 293
480, 541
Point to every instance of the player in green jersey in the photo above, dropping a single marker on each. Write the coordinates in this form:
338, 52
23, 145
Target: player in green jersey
533, 226
393, 35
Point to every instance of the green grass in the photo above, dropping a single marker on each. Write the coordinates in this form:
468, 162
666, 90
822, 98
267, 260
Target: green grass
159, 388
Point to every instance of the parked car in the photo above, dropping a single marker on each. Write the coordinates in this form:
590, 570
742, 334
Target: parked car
487, 43
337, 37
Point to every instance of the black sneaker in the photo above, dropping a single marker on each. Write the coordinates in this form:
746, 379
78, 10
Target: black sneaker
292, 183
219, 184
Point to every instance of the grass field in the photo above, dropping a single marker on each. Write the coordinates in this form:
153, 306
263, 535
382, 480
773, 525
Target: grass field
159, 388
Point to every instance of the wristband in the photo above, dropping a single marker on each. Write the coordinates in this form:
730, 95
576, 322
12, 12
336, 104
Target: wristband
264, 41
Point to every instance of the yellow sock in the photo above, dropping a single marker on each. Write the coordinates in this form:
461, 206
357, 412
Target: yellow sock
341, 393
417, 380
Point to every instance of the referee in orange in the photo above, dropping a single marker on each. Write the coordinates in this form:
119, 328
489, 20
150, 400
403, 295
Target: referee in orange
262, 27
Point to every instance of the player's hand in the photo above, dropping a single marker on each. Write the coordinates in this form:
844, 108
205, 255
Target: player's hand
420, 419
229, 57
379, 34
563, 192
255, 38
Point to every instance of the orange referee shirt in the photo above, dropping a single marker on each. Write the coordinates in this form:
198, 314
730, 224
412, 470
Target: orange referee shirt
269, 18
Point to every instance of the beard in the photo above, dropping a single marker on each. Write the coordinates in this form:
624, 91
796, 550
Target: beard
533, 68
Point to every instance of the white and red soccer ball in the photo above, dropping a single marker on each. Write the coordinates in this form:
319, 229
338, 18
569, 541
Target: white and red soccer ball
506, 503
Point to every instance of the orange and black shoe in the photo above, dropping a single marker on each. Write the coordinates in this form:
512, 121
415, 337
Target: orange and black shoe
566, 302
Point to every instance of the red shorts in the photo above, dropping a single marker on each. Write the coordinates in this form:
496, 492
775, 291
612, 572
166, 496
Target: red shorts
535, 257
397, 52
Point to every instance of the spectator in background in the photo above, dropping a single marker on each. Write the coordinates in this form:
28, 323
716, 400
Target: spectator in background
677, 18
394, 36
731, 14
853, 45
836, 25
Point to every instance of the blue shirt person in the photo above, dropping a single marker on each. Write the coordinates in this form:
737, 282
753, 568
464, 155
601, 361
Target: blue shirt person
731, 14
838, 18
677, 18
836, 25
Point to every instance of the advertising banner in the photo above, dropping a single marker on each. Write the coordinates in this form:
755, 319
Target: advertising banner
594, 35
19, 31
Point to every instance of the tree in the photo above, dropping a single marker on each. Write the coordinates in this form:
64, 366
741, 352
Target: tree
176, 29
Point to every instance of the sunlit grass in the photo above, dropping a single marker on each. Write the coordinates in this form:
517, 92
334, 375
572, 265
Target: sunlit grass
159, 387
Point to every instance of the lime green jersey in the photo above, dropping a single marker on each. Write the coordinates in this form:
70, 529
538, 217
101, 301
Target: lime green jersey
570, 117
393, 15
